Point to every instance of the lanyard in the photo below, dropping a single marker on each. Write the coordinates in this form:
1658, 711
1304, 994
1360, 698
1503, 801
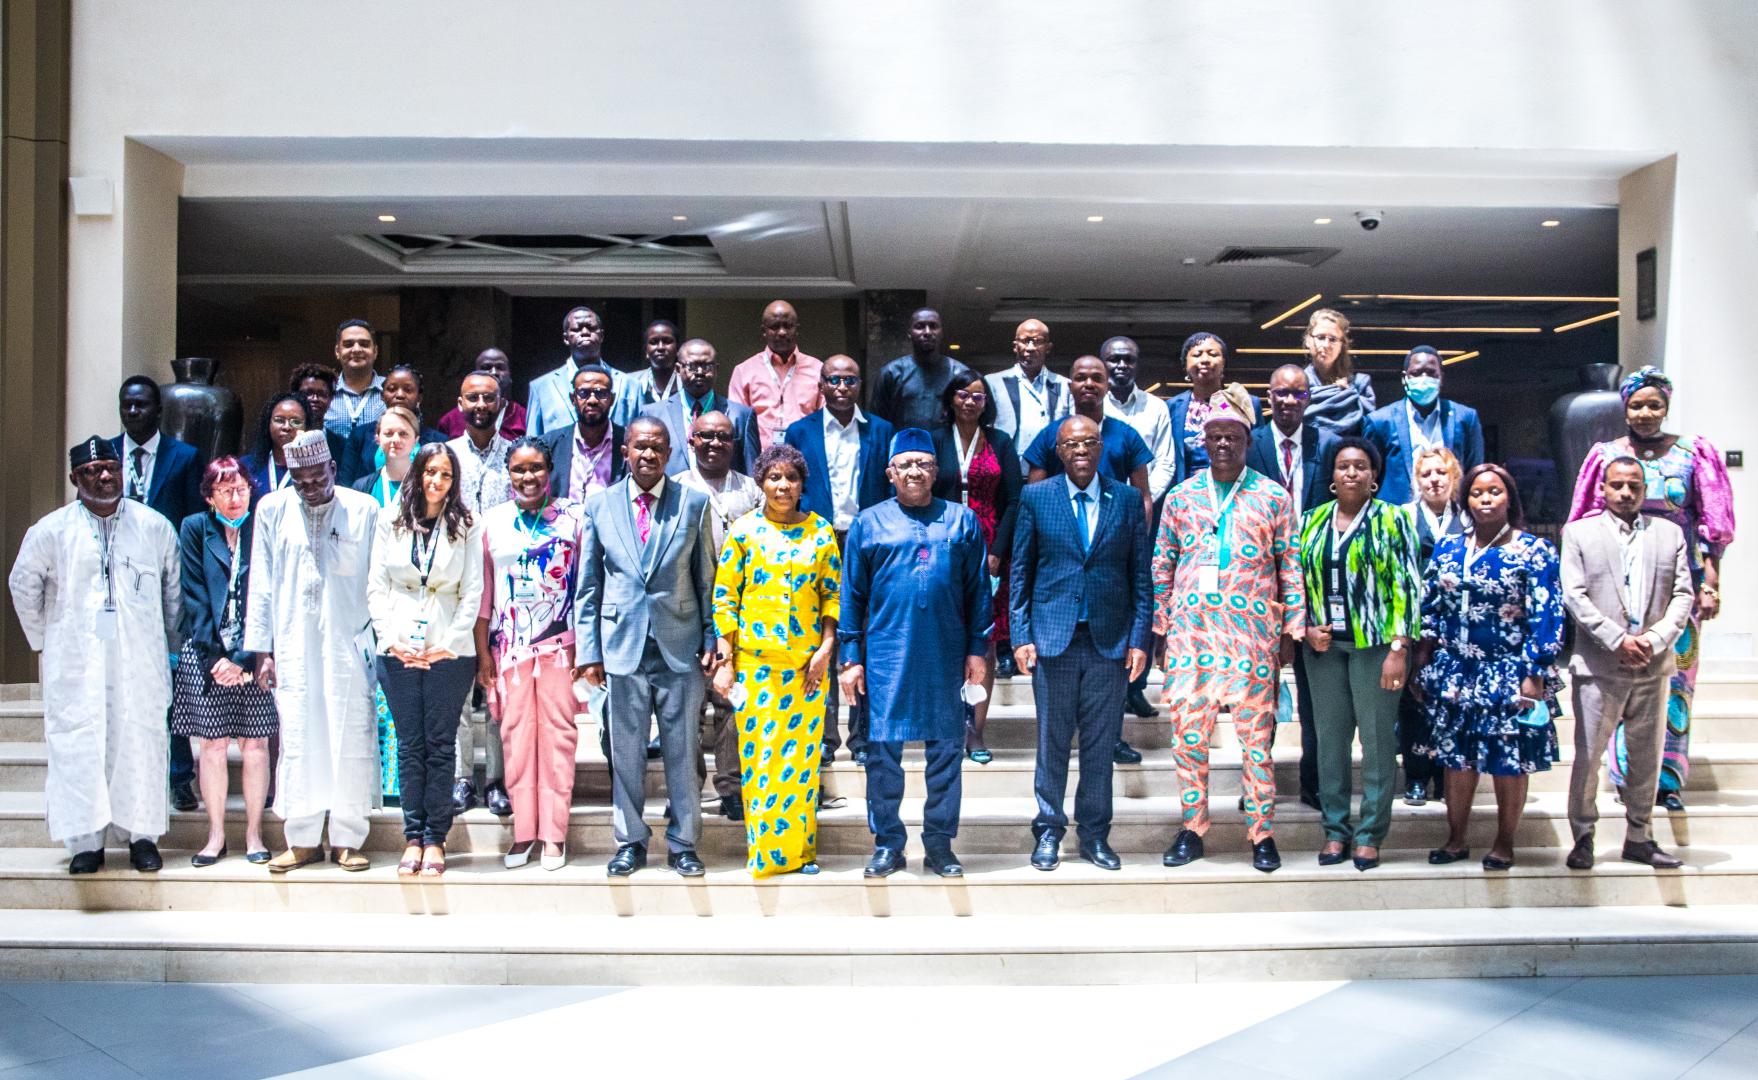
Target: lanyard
432, 546
530, 528
1223, 522
384, 489
277, 482
781, 383
1471, 546
1437, 526
354, 403
232, 578
965, 454
104, 532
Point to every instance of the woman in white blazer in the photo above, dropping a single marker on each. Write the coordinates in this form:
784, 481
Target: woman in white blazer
423, 592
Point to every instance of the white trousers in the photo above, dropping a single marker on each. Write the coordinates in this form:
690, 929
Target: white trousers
346, 830
95, 841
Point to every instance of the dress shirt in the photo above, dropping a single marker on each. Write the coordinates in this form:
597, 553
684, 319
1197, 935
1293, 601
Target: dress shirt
842, 454
635, 493
349, 409
638, 391
483, 482
591, 471
729, 499
778, 396
1034, 404
137, 484
1148, 416
1090, 513
1630, 537
694, 407
1425, 431
1293, 475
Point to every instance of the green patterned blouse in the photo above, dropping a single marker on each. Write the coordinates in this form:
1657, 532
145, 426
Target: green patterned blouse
1384, 579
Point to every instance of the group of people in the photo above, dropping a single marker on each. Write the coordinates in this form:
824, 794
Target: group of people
364, 601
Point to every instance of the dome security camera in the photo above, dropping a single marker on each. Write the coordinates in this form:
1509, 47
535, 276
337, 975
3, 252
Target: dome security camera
1370, 219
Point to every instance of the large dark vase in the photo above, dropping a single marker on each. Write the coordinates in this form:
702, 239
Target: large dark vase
1592, 414
205, 416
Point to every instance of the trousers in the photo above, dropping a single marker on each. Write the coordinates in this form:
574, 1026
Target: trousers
536, 696
945, 781
1640, 705
425, 706
95, 841
347, 829
654, 690
477, 727
1196, 696
1078, 693
1348, 701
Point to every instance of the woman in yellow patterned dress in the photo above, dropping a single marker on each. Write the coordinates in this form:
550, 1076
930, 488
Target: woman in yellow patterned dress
775, 607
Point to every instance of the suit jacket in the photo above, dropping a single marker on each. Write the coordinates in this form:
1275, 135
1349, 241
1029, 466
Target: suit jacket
561, 451
207, 576
1317, 448
549, 403
629, 592
1388, 429
746, 444
1179, 406
1004, 388
1593, 573
872, 487
946, 484
174, 489
360, 453
1051, 574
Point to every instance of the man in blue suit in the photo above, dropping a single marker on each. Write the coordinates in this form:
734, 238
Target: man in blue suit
165, 474
550, 400
697, 370
1423, 419
1081, 615
846, 456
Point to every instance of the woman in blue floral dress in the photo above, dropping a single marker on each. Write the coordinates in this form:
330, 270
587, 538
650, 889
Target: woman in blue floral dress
1492, 627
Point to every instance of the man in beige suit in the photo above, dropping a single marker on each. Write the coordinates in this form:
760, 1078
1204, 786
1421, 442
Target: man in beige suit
1627, 583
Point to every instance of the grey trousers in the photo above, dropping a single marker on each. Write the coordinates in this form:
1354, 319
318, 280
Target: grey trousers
675, 698
1600, 705
474, 726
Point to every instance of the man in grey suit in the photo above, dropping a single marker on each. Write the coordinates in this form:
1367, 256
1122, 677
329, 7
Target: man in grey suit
642, 614
1627, 583
696, 395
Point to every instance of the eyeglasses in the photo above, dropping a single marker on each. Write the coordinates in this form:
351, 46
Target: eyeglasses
974, 397
1289, 395
713, 436
1325, 339
913, 465
842, 380
485, 397
1080, 444
1031, 342
695, 365
586, 392
287, 422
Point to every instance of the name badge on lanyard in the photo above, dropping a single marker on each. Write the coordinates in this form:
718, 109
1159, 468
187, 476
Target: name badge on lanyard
105, 620
1219, 554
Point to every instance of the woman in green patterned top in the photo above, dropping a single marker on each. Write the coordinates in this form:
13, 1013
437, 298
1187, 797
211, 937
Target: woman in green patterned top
1358, 556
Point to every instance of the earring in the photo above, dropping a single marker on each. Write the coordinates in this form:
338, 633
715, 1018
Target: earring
1373, 489
1333, 489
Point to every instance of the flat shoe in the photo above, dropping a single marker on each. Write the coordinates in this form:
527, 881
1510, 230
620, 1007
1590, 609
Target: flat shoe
1441, 856
410, 865
349, 859
257, 858
198, 859
1490, 862
981, 757
433, 867
294, 858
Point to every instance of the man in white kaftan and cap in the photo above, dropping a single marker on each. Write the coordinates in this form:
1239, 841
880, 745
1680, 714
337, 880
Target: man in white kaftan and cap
307, 622
98, 591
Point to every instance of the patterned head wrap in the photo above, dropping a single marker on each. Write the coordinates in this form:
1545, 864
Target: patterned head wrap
92, 449
1648, 376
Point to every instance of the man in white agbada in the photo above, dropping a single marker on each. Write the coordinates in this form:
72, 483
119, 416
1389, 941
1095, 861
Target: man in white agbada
98, 591
307, 622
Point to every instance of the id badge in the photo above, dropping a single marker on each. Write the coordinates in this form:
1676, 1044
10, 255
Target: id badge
418, 636
1338, 621
1208, 574
104, 626
524, 588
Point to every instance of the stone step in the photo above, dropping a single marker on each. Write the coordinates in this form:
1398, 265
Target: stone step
992, 885
987, 826
486, 949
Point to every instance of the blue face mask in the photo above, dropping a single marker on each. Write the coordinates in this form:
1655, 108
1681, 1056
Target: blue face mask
232, 523
1422, 390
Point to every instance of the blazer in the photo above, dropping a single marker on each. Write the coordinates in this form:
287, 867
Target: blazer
746, 441
207, 575
1317, 448
872, 486
1388, 429
561, 451
1382, 584
1004, 388
629, 593
549, 403
947, 483
360, 452
1592, 574
174, 489
1179, 406
1425, 537
1051, 574
449, 601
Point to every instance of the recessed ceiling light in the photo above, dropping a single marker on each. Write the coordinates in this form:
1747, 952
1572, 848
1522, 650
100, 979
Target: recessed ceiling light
982, 288
1550, 223
1187, 261
387, 218
953, 347
680, 217
1321, 221
1095, 217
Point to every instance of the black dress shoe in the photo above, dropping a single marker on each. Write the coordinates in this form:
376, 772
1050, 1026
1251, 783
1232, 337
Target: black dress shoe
1671, 801
198, 859
826, 758
942, 861
1048, 854
497, 801
183, 798
1264, 855
604, 740
1005, 668
732, 807
1187, 847
1490, 862
1442, 856
1648, 853
1138, 704
885, 862
143, 855
653, 750
1099, 853
1416, 794
1581, 855
628, 859
686, 863
1125, 754
87, 862
1311, 799
463, 795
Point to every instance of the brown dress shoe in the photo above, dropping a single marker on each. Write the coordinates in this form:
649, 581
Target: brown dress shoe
295, 857
349, 859
1581, 856
1648, 853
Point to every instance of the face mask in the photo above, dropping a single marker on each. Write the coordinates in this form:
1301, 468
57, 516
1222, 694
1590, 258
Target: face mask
1422, 390
232, 523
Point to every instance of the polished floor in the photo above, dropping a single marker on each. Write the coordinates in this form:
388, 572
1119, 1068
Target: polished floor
1705, 1028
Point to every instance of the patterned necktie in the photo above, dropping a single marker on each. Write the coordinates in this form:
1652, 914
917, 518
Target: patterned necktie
644, 514
1081, 499
137, 485
1288, 459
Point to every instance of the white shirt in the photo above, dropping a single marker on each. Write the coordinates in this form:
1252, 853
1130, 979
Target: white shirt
1293, 476
729, 499
483, 482
1425, 431
1630, 537
842, 453
136, 485
1147, 414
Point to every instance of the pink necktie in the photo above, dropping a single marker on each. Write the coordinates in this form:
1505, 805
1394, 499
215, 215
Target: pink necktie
644, 514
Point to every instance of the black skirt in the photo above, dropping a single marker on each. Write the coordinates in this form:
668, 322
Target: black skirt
203, 709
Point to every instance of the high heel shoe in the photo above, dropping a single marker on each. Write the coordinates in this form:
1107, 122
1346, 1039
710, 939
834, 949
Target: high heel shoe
515, 858
1331, 858
554, 862
1363, 863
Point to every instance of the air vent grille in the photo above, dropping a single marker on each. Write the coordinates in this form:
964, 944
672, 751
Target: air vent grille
1308, 257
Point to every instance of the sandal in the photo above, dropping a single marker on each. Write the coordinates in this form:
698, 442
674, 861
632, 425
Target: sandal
980, 756
411, 863
431, 867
